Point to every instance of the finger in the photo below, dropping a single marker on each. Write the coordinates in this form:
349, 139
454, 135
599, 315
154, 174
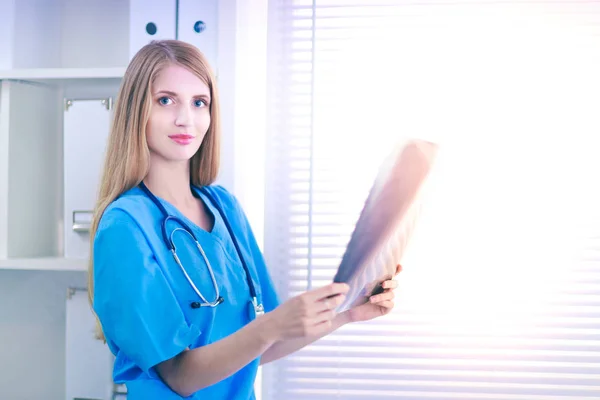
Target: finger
324, 316
391, 284
331, 303
388, 304
322, 327
385, 296
320, 318
398, 269
330, 290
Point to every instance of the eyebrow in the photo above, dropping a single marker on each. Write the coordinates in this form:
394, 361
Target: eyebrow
173, 94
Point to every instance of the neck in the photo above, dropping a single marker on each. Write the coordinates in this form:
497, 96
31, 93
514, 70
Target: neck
170, 181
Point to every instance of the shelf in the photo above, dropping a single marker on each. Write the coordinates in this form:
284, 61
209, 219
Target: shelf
49, 75
45, 264
78, 82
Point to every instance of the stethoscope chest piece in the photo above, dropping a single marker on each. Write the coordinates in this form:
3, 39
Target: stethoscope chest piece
255, 310
197, 304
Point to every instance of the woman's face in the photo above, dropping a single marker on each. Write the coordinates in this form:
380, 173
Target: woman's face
179, 116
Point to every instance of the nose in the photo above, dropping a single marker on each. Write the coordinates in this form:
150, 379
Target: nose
184, 116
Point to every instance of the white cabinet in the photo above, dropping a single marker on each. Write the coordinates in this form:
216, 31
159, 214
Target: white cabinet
51, 51
99, 33
51, 159
198, 24
42, 168
88, 369
64, 33
151, 20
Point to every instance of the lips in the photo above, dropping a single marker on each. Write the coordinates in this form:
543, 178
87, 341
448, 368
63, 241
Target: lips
182, 139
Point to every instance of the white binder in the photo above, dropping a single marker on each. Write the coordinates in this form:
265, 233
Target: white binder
86, 129
198, 25
150, 20
89, 362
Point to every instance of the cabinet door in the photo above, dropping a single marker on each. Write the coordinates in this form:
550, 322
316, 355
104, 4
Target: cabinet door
150, 20
86, 129
88, 360
197, 25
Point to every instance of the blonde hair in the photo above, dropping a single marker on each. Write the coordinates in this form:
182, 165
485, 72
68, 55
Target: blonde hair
127, 154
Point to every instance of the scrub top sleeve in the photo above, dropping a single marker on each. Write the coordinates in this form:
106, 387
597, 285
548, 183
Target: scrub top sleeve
270, 298
134, 302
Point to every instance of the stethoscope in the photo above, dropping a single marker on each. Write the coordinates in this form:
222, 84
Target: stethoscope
256, 308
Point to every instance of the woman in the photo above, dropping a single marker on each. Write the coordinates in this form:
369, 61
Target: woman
185, 321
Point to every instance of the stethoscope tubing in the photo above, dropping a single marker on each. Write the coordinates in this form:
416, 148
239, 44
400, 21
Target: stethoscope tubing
168, 239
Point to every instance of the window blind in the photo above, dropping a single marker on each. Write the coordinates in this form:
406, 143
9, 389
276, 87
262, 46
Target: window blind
500, 294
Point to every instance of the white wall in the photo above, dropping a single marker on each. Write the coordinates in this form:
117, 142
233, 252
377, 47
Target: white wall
242, 88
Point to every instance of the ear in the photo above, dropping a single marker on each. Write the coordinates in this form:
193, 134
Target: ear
398, 269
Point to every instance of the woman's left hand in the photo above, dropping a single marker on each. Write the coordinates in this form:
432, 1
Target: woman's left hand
377, 305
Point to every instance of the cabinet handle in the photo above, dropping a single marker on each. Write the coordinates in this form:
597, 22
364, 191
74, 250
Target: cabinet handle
82, 220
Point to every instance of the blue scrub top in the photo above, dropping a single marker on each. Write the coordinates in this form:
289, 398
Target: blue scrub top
143, 300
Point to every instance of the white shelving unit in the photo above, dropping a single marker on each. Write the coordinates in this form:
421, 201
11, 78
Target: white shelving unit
51, 51
79, 49
32, 162
45, 264
61, 75
84, 80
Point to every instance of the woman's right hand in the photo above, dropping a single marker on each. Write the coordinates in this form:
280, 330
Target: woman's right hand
308, 314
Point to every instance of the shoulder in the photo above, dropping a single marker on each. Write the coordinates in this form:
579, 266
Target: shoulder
227, 200
230, 206
223, 195
127, 233
131, 211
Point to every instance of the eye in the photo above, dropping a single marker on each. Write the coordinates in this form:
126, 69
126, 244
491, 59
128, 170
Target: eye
165, 101
200, 103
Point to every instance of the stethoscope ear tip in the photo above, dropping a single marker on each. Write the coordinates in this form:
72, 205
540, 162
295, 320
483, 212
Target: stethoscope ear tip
220, 300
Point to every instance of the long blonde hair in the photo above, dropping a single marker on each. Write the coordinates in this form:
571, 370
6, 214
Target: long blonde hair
127, 154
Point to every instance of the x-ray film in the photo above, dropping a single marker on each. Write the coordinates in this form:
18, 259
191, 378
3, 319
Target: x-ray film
386, 221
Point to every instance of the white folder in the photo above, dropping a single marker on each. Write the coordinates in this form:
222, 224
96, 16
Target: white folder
198, 25
86, 129
88, 360
150, 20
